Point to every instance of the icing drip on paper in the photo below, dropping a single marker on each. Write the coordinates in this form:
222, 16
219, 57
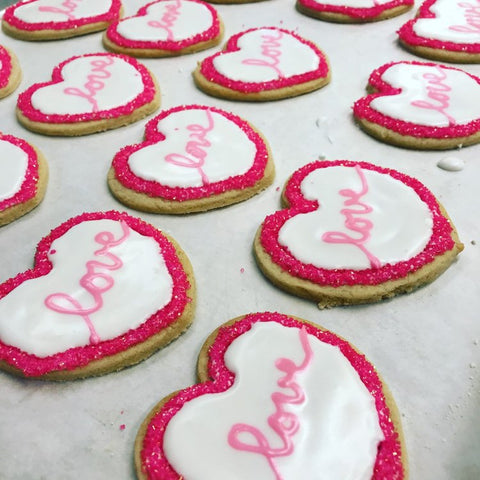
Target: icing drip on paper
284, 423
355, 224
92, 281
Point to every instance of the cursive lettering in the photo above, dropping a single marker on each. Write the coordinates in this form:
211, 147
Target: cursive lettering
270, 48
195, 148
168, 19
284, 423
94, 82
438, 92
361, 226
95, 281
69, 7
472, 18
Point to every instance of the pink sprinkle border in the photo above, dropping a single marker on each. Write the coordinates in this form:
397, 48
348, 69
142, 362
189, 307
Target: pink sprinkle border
6, 67
124, 174
407, 34
9, 17
365, 13
170, 45
155, 465
76, 357
28, 188
24, 102
440, 241
363, 110
209, 71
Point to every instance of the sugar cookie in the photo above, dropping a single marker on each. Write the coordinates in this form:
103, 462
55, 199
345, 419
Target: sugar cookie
278, 397
107, 290
194, 158
89, 93
262, 64
354, 233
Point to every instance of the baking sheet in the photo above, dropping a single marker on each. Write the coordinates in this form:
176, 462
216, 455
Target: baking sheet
426, 345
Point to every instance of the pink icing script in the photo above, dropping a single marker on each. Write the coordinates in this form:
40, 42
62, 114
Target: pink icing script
285, 424
69, 7
168, 19
270, 48
436, 90
472, 18
198, 139
88, 281
358, 225
94, 82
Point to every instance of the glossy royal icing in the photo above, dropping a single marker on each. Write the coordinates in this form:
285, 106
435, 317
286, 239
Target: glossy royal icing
286, 400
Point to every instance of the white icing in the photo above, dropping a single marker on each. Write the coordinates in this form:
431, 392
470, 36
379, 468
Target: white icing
462, 15
110, 86
293, 56
353, 3
230, 152
339, 429
402, 222
451, 164
453, 98
173, 20
13, 168
61, 10
142, 285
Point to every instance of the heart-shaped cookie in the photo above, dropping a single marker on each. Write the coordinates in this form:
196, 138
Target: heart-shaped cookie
107, 290
421, 105
279, 398
194, 158
354, 233
447, 30
10, 72
166, 28
56, 19
353, 11
89, 93
23, 177
261, 64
